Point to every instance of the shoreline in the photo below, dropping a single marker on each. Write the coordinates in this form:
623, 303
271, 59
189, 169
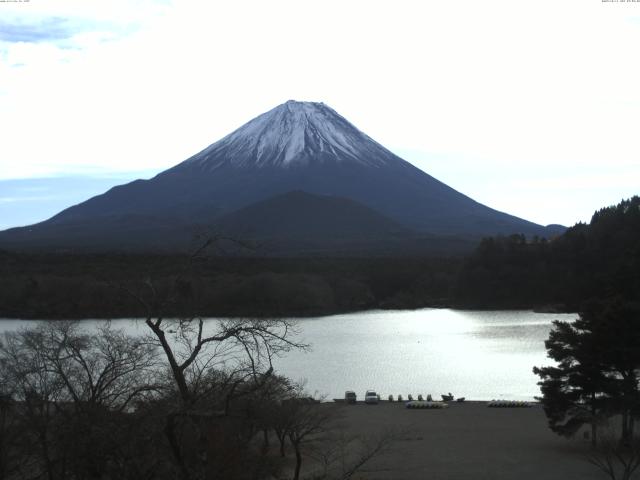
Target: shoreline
303, 316
383, 401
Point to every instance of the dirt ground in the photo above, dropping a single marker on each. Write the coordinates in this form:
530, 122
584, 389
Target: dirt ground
467, 441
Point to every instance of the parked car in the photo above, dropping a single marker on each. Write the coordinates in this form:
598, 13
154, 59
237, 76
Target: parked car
350, 396
371, 397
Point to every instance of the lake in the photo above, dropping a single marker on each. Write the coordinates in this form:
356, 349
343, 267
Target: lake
481, 355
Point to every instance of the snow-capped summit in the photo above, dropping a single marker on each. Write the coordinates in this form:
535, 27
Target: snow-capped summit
293, 133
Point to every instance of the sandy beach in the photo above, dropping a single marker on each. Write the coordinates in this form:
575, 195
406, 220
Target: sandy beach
467, 441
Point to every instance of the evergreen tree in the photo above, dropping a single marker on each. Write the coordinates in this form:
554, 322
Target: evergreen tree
597, 370
616, 327
573, 392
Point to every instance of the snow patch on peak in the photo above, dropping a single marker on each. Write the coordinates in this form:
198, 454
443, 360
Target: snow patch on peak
293, 133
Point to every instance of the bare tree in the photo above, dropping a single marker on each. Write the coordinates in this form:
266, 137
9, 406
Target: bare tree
72, 390
10, 434
35, 387
107, 369
194, 346
307, 421
211, 362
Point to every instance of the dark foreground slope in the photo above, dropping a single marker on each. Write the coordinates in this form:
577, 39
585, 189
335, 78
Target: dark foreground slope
302, 224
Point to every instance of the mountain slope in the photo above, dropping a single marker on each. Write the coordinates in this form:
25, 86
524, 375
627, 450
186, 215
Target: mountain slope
297, 146
302, 215
301, 222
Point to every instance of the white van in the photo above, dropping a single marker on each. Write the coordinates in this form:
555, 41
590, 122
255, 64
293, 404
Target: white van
371, 397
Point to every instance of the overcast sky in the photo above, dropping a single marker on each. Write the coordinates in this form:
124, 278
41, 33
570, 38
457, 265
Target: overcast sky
530, 107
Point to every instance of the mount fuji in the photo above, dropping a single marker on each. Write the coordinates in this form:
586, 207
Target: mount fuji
342, 178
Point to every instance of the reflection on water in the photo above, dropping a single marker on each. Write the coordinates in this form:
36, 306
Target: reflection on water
478, 355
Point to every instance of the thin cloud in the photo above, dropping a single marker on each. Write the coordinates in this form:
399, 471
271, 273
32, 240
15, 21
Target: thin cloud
44, 30
26, 199
60, 32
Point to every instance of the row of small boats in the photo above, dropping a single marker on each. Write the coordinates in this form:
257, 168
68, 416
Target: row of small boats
445, 398
508, 404
425, 404
492, 404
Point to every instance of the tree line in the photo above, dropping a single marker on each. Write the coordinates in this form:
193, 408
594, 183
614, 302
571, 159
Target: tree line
67, 286
596, 260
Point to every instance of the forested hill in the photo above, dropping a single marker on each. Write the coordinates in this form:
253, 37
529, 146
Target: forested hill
596, 260
47, 286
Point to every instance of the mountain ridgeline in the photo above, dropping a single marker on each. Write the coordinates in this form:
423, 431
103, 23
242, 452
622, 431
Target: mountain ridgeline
330, 189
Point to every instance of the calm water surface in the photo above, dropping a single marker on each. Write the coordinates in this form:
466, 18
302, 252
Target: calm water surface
478, 355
